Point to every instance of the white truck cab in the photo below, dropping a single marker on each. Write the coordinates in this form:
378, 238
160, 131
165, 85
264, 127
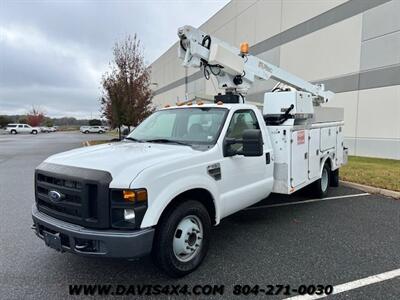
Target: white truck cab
186, 167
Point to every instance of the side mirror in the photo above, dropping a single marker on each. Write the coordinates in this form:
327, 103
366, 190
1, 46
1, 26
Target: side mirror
252, 144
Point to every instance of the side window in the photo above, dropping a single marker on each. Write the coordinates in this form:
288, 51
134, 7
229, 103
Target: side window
241, 120
26, 126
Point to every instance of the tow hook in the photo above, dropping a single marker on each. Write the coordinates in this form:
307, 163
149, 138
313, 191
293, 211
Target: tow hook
82, 247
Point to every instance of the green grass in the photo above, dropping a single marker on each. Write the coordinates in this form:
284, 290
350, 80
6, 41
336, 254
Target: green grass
377, 172
98, 142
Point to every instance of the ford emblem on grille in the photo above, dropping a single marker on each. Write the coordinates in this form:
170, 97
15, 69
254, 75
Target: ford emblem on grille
54, 196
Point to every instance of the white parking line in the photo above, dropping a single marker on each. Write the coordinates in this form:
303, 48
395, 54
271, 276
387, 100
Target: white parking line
307, 201
353, 285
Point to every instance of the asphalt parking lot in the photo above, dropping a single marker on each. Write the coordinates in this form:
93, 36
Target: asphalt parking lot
286, 240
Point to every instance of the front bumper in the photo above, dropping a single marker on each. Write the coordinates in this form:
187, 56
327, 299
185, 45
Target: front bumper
87, 242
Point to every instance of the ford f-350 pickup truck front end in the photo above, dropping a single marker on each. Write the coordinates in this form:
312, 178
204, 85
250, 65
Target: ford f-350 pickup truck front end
76, 211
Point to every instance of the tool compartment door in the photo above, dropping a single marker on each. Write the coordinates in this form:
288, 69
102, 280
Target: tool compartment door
328, 138
314, 154
339, 146
299, 155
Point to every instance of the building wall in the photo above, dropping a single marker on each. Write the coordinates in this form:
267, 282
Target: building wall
353, 47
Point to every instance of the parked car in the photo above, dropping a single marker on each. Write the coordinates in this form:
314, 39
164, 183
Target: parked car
92, 129
22, 128
48, 129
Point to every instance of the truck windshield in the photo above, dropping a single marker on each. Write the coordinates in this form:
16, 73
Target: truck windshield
189, 126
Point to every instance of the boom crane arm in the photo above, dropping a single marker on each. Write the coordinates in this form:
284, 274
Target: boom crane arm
236, 70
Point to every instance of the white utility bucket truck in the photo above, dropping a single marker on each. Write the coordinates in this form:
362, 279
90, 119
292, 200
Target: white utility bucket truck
186, 167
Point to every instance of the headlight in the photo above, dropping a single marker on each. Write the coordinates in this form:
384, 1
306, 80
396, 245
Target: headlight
128, 208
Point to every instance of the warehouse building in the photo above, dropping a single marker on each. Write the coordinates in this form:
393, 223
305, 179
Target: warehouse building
353, 47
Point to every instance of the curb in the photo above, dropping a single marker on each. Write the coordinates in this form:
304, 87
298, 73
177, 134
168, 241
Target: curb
371, 189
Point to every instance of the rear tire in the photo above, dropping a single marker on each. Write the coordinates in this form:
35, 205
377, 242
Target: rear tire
182, 239
322, 184
13, 132
334, 178
86, 132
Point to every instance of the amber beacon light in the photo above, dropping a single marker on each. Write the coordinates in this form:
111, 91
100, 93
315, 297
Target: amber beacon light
244, 48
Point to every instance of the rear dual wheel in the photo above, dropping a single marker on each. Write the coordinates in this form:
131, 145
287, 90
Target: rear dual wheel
182, 238
321, 185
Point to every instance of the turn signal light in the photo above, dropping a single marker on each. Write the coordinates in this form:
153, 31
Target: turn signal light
141, 195
129, 196
167, 105
200, 102
136, 195
244, 48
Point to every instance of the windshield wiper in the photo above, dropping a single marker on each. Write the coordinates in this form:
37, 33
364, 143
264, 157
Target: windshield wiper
133, 139
167, 141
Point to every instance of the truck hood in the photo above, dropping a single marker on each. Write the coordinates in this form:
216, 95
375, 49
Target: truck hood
123, 160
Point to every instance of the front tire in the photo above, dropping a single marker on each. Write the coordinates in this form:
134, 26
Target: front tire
34, 132
182, 238
322, 184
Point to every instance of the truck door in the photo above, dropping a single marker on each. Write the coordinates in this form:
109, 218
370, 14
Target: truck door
244, 180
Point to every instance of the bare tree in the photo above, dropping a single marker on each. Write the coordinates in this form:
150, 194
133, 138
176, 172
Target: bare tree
127, 94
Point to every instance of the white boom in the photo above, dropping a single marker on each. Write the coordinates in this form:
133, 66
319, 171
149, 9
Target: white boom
234, 70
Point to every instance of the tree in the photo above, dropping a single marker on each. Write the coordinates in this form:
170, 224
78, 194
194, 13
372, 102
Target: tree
35, 117
23, 119
127, 94
4, 120
49, 122
95, 122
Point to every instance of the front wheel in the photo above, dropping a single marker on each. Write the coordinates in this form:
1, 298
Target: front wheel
34, 132
322, 184
182, 238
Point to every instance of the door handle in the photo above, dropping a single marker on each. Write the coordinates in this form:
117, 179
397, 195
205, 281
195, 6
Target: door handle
267, 158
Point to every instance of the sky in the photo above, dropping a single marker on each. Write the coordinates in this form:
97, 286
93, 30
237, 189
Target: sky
53, 53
